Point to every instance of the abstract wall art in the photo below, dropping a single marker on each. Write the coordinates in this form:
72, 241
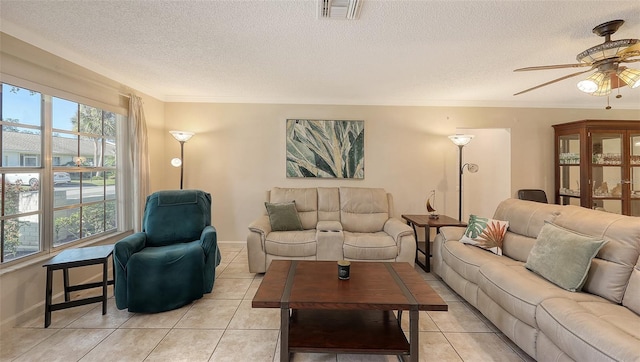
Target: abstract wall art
325, 148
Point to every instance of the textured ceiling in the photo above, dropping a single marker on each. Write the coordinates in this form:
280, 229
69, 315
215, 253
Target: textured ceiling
447, 53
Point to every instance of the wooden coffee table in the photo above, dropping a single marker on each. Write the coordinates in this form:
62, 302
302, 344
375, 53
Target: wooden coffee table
320, 313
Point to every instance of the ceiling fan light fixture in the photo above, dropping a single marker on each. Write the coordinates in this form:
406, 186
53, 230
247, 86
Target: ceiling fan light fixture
592, 83
631, 77
604, 88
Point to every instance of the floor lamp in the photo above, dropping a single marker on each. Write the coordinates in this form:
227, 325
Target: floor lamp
462, 140
182, 137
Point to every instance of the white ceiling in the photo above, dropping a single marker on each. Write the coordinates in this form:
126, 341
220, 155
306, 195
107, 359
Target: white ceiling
434, 53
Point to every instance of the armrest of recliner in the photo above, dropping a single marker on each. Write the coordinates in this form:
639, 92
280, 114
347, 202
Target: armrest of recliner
122, 252
261, 226
209, 242
128, 246
212, 256
397, 229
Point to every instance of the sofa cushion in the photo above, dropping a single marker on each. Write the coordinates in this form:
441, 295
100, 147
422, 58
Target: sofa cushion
519, 291
526, 217
369, 246
591, 330
328, 204
283, 216
562, 256
291, 243
466, 259
306, 203
363, 210
611, 268
485, 233
517, 246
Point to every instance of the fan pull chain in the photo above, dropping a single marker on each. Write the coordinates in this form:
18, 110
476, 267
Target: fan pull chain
618, 96
608, 106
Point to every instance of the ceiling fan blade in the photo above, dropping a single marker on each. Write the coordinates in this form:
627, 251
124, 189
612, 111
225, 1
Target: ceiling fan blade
554, 81
630, 60
630, 51
557, 66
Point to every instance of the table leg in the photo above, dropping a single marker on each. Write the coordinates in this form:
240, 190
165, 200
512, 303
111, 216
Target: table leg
413, 331
65, 276
415, 236
47, 303
284, 335
427, 247
105, 269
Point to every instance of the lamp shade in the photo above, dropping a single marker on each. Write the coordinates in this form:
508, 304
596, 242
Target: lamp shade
592, 83
176, 162
182, 136
604, 87
631, 77
461, 139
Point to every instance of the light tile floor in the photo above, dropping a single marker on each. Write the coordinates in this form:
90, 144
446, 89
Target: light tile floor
222, 326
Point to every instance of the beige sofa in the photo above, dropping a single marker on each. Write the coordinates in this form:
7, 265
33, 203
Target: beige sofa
348, 223
600, 323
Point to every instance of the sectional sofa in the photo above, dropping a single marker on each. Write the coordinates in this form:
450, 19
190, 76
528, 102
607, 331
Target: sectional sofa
599, 323
351, 223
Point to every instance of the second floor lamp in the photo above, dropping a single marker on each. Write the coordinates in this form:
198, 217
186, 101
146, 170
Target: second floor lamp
182, 137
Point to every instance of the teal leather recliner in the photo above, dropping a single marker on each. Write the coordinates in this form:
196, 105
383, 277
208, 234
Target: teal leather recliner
172, 262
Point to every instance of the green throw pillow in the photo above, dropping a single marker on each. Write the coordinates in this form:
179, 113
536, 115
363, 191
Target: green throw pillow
283, 216
562, 256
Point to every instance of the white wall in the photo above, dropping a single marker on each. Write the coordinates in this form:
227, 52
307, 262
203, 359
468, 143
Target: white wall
238, 153
490, 149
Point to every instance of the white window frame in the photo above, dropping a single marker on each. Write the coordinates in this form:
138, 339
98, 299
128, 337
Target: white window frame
46, 169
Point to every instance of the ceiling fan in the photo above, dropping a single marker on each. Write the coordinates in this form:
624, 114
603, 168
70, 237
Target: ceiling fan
607, 58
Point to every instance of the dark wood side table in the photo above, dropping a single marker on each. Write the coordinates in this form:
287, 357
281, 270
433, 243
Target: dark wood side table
427, 223
72, 258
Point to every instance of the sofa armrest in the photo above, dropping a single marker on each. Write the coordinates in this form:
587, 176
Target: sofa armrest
261, 226
329, 226
258, 231
452, 232
397, 229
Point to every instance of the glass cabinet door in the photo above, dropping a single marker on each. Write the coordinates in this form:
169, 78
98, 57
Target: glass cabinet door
569, 163
634, 182
607, 182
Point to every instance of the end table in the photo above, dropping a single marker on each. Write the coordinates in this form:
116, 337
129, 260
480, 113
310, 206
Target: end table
427, 223
72, 258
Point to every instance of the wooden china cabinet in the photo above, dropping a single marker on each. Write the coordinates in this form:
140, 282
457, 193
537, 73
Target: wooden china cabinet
597, 165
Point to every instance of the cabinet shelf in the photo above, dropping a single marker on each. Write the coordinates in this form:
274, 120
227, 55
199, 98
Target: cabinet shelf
606, 197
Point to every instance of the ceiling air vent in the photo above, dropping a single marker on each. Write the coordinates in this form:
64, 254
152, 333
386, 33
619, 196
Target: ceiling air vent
339, 9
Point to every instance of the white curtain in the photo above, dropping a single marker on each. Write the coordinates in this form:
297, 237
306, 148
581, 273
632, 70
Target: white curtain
138, 151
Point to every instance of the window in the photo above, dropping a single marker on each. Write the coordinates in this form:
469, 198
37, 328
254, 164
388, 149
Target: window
79, 184
31, 161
